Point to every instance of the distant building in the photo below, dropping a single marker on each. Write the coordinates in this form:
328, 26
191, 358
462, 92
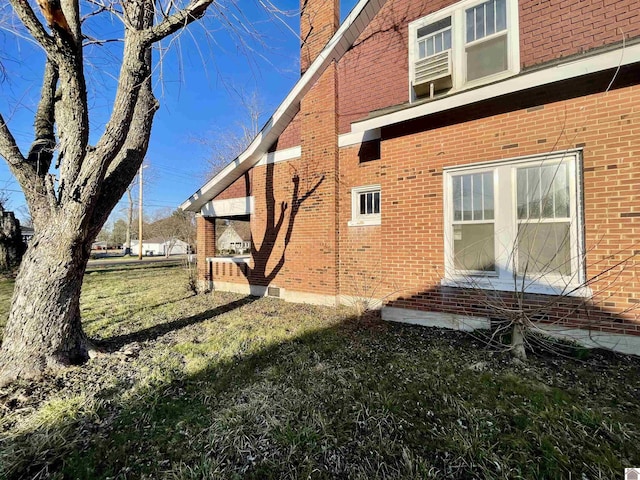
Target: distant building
27, 234
236, 237
159, 246
99, 246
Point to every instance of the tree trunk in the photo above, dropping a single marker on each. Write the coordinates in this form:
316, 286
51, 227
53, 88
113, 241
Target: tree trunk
517, 342
44, 332
11, 245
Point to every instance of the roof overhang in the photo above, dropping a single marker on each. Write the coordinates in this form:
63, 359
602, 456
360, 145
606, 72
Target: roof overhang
349, 31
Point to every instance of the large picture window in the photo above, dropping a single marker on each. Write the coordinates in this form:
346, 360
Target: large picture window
515, 224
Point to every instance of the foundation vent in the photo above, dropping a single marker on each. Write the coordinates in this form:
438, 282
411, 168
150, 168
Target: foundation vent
273, 292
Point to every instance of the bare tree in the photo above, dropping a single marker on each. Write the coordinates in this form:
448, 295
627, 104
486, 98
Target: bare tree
225, 144
119, 232
169, 228
70, 185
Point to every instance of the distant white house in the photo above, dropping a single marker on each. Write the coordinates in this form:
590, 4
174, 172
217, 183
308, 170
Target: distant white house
158, 246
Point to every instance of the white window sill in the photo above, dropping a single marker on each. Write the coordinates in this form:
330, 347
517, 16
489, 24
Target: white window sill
240, 259
364, 222
492, 283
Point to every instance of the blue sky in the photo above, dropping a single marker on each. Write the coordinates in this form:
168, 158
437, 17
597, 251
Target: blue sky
197, 88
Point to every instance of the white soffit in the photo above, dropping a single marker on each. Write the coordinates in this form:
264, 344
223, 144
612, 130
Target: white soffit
572, 69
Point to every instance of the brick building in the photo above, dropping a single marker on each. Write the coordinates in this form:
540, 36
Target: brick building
449, 159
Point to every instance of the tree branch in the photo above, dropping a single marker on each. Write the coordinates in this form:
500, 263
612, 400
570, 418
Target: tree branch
133, 73
34, 187
8, 146
28, 17
71, 14
114, 176
41, 151
171, 24
125, 166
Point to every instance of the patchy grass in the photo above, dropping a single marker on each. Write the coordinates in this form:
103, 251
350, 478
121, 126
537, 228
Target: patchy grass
224, 386
6, 290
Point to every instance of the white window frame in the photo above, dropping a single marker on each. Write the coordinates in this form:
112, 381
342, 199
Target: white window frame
458, 44
358, 219
506, 225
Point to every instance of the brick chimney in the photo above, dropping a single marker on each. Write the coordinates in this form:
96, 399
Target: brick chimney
319, 20
319, 160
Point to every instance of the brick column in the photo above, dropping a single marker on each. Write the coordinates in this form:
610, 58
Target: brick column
206, 243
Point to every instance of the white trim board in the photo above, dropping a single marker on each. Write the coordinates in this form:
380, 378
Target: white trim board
627, 344
286, 295
565, 71
287, 154
356, 138
435, 319
229, 207
228, 260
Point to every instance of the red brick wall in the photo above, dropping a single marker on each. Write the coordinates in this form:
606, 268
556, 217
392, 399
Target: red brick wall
374, 74
238, 189
605, 125
552, 29
291, 135
361, 268
206, 245
296, 201
231, 272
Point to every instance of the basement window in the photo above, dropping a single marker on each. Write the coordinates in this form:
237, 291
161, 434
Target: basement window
365, 206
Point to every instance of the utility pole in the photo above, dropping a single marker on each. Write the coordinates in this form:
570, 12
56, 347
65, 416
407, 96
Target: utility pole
140, 214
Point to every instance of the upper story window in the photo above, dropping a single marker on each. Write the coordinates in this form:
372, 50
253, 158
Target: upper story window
467, 44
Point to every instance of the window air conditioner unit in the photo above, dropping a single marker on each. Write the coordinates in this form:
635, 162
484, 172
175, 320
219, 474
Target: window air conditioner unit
432, 74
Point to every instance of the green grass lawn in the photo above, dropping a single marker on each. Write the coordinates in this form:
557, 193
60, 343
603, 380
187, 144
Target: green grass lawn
223, 386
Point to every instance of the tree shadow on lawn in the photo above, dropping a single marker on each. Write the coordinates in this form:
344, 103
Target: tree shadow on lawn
348, 400
130, 313
113, 344
96, 270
